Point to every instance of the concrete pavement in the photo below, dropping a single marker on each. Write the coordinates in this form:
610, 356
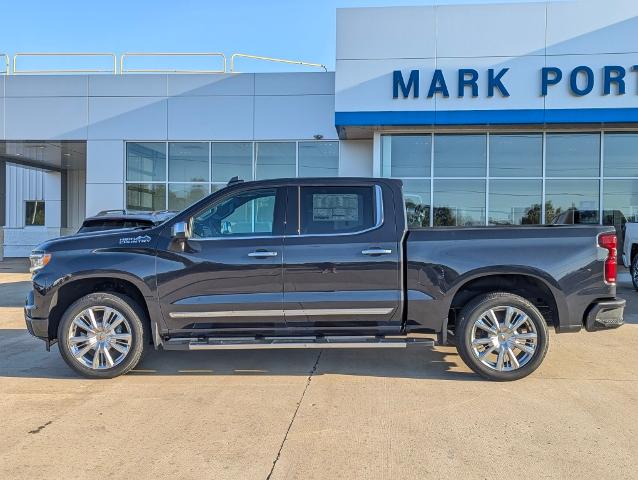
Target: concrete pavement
317, 414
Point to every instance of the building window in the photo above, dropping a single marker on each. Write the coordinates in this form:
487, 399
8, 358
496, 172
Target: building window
275, 160
460, 155
516, 155
515, 202
516, 178
182, 195
188, 162
406, 156
621, 155
146, 196
318, 159
175, 175
146, 162
572, 201
416, 194
459, 203
34, 213
232, 159
572, 155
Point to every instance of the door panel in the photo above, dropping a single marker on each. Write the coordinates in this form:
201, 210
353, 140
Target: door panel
228, 275
348, 280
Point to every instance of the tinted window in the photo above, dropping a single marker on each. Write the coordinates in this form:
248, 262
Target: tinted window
97, 225
331, 210
244, 214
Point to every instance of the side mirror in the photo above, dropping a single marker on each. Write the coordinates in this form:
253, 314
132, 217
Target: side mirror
180, 231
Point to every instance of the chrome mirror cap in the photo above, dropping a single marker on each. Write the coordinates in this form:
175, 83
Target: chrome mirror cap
180, 231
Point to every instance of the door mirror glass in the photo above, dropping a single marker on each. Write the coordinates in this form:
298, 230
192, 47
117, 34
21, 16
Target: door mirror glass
180, 231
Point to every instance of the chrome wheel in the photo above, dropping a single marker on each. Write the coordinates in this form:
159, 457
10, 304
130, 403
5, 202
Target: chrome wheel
100, 337
504, 338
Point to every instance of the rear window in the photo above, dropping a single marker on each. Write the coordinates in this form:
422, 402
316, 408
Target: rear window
333, 210
97, 225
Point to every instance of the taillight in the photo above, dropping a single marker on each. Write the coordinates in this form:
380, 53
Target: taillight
609, 242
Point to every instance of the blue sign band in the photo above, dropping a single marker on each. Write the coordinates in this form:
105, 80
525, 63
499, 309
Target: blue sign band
487, 117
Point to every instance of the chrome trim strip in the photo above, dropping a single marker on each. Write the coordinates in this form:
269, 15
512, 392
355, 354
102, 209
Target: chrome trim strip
285, 313
337, 311
228, 313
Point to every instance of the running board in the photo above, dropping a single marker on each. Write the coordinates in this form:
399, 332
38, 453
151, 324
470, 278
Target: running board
251, 343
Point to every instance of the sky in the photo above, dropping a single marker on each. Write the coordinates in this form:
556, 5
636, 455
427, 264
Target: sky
294, 29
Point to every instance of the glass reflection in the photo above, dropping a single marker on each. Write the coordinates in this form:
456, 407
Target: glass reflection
459, 202
572, 201
416, 194
515, 202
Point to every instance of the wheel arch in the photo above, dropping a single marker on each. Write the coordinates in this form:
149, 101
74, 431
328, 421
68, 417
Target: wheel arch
543, 292
80, 286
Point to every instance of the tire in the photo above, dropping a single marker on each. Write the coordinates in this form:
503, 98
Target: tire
488, 351
633, 270
82, 334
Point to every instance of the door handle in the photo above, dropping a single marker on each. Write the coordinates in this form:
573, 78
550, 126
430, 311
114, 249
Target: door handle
376, 251
262, 254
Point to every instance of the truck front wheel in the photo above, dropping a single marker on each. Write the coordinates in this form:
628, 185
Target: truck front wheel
102, 335
633, 270
501, 336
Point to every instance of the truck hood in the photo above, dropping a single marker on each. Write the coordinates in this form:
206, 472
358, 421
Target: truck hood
121, 238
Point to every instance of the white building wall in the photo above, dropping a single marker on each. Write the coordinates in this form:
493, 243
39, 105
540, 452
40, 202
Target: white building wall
355, 158
25, 184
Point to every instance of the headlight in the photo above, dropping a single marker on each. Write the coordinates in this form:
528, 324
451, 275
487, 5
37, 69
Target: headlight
38, 260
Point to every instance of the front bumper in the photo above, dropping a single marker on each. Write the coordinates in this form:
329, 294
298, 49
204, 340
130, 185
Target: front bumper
605, 314
38, 327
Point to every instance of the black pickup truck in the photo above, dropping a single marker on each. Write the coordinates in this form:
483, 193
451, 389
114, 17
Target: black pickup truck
319, 263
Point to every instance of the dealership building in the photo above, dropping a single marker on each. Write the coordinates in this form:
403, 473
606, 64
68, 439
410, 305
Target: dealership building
491, 114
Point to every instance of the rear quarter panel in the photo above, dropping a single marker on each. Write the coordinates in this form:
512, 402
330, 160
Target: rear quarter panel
565, 258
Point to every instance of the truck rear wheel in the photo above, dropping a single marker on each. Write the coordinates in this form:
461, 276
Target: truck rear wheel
102, 335
501, 336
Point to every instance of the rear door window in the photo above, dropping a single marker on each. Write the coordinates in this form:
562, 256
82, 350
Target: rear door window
336, 210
